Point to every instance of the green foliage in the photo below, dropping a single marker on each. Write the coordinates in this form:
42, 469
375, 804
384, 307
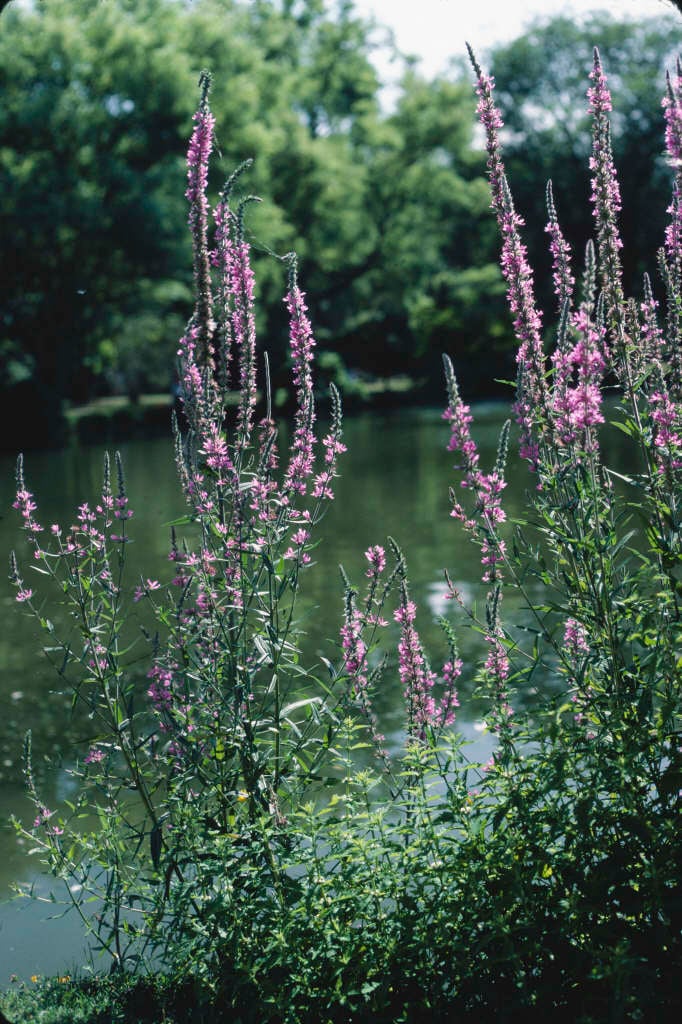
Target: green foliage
387, 209
112, 1000
228, 830
94, 113
431, 204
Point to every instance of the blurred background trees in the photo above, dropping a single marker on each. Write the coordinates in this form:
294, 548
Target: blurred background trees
385, 200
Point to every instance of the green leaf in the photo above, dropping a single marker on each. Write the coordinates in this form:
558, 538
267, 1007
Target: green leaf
286, 711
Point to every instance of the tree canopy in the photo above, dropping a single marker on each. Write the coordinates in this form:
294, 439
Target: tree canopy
388, 209
97, 107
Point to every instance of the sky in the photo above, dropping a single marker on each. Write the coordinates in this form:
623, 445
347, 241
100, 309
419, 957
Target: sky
436, 30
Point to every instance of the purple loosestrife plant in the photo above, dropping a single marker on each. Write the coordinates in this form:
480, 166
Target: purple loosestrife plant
560, 411
483, 525
227, 728
426, 714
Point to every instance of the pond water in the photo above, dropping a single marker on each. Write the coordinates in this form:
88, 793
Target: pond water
394, 482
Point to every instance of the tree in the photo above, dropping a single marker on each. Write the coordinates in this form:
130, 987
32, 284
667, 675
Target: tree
437, 287
97, 101
93, 106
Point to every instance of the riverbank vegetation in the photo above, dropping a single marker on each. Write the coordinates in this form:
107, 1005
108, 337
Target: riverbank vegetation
240, 844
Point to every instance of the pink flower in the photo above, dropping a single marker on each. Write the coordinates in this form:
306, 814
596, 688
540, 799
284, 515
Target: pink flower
25, 595
376, 556
575, 638
93, 756
461, 440
497, 668
667, 418
487, 487
301, 343
215, 449
578, 372
353, 645
493, 551
299, 538
160, 690
497, 662
302, 458
24, 502
416, 676
244, 334
44, 815
198, 154
121, 508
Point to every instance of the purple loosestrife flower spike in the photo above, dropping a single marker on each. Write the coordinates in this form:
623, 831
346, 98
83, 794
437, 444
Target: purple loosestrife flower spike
589, 280
672, 107
532, 401
497, 663
673, 232
23, 593
606, 199
652, 336
376, 556
222, 258
356, 651
333, 447
459, 416
672, 284
301, 345
486, 487
492, 122
561, 254
25, 505
575, 638
672, 104
666, 416
301, 338
244, 327
415, 674
198, 155
578, 372
452, 670
352, 642
446, 714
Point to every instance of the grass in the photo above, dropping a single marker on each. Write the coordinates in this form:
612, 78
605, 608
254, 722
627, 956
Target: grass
108, 1000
